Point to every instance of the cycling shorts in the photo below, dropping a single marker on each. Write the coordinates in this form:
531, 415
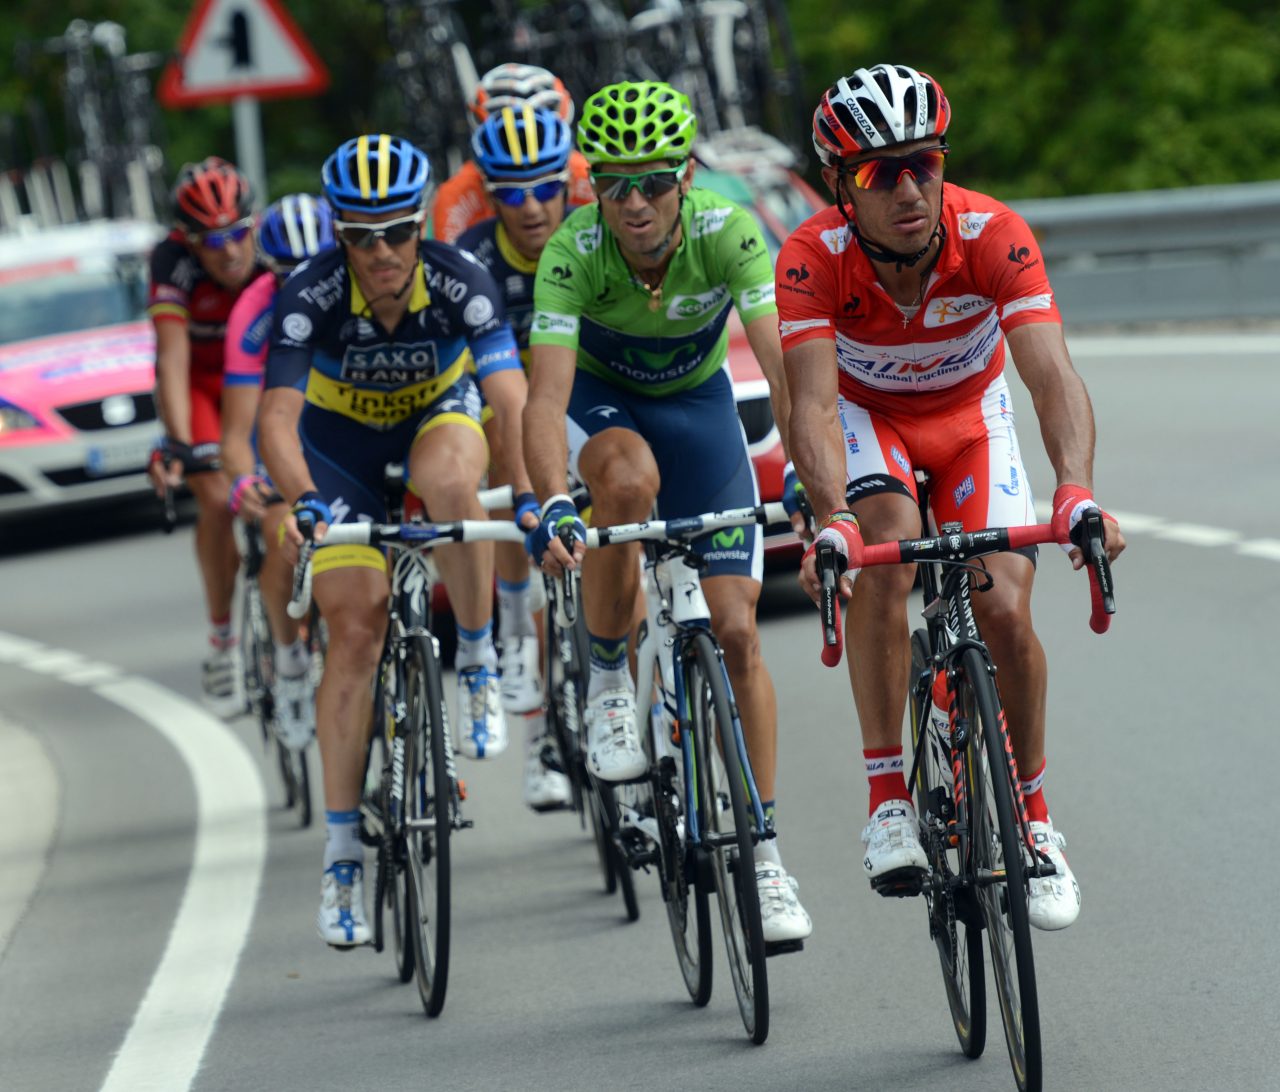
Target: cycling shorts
970, 451
348, 460
701, 450
206, 411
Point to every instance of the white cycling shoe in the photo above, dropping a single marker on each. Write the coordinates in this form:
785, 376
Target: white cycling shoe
1055, 900
545, 789
221, 675
295, 711
781, 914
482, 727
614, 752
341, 920
520, 668
894, 854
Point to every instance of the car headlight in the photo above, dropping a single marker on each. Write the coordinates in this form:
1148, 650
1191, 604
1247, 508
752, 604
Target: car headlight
15, 419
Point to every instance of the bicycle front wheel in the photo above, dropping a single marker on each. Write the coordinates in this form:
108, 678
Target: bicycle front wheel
428, 822
727, 834
998, 850
954, 922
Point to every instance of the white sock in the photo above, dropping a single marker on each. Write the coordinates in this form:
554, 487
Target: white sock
475, 648
292, 660
515, 611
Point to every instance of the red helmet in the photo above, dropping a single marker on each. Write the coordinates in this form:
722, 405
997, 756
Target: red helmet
877, 108
211, 194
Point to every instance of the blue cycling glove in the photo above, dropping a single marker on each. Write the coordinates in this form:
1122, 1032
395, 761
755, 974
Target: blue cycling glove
310, 509
559, 511
526, 503
792, 490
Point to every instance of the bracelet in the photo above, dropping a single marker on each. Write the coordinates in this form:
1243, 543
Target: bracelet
843, 515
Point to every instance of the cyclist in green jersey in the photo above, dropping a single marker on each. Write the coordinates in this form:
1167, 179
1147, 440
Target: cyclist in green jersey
628, 388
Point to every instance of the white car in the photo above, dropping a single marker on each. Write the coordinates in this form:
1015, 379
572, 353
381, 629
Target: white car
77, 365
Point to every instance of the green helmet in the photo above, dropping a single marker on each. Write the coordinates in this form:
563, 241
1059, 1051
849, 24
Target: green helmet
636, 123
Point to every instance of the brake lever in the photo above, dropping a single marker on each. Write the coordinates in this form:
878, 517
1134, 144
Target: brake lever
829, 604
1102, 591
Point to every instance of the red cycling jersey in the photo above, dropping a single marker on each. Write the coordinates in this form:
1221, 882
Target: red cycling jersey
989, 279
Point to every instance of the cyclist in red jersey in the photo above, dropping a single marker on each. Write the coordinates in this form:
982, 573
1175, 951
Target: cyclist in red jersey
196, 275
461, 201
894, 308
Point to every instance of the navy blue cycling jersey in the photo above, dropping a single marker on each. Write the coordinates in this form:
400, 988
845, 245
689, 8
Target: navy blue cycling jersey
514, 273
326, 342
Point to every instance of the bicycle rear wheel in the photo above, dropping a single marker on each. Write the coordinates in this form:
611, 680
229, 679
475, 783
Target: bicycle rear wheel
727, 833
954, 924
428, 822
998, 861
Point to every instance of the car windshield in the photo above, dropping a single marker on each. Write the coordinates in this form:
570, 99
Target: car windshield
62, 300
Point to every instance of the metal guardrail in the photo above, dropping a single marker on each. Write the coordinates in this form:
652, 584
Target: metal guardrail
1206, 252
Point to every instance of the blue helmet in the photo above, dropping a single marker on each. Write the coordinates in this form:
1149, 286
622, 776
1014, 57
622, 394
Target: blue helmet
376, 173
519, 143
295, 228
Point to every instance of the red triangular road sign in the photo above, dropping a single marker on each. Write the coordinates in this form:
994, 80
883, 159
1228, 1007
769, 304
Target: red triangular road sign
231, 48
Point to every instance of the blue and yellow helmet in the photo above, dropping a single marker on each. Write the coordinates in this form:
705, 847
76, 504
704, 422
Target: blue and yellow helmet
519, 143
376, 173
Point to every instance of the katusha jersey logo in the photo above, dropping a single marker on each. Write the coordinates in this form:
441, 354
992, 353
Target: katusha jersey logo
836, 239
708, 222
687, 307
972, 223
390, 364
944, 310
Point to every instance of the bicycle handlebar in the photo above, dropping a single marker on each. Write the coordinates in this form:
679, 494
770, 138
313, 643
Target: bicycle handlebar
963, 547
686, 527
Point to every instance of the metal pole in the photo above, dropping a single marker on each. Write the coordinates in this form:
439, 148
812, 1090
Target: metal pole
249, 155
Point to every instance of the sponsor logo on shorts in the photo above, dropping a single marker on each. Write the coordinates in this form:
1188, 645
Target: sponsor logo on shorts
729, 538
1014, 487
899, 458
964, 491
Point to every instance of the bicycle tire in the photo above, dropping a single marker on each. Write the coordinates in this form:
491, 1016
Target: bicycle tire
428, 797
998, 846
397, 883
955, 932
624, 877
679, 864
731, 852
302, 772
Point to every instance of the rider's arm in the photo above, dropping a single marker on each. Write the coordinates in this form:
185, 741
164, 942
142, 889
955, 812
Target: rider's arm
546, 447
1061, 401
239, 407
173, 376
816, 437
506, 391
762, 333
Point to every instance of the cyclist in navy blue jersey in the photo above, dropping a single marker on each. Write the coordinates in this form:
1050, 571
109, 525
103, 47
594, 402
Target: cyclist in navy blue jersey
523, 156
377, 349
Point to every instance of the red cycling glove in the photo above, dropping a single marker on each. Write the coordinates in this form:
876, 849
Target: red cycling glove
1069, 503
842, 531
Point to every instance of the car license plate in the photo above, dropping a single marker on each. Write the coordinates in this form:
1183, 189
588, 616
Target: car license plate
119, 457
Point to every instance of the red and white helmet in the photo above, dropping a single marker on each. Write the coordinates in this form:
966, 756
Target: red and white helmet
211, 194
516, 84
878, 108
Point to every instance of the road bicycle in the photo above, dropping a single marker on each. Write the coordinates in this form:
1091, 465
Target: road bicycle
973, 820
257, 650
696, 816
566, 673
413, 799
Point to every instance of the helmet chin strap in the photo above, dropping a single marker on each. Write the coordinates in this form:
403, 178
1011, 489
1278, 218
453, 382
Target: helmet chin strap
878, 253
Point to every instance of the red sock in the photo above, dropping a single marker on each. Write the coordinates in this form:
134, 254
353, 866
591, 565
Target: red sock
1033, 794
885, 776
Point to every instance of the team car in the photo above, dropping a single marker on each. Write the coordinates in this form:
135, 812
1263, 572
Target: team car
77, 365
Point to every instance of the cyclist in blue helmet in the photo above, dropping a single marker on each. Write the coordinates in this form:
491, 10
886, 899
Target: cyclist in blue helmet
379, 354
523, 156
291, 230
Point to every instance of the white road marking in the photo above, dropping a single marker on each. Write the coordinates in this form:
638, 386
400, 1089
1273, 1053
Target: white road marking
176, 1018
1210, 345
1187, 534
30, 802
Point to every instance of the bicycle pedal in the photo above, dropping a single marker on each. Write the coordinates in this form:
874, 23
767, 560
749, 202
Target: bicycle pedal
783, 947
901, 883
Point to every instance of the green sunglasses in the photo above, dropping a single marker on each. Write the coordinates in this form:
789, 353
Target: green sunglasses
651, 184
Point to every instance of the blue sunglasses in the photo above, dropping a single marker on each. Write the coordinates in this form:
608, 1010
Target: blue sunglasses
515, 195
220, 237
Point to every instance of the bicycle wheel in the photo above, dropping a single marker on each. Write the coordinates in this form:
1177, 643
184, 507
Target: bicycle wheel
998, 860
428, 822
684, 885
955, 928
727, 834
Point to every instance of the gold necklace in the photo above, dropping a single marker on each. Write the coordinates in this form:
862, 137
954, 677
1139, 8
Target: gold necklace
654, 290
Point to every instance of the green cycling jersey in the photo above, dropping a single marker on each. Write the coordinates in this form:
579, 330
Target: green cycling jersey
587, 298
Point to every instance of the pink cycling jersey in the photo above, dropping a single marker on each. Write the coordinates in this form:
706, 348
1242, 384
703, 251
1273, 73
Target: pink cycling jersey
988, 280
249, 333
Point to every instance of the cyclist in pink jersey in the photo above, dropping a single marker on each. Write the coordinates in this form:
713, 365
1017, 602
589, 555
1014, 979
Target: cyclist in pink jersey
291, 230
894, 308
